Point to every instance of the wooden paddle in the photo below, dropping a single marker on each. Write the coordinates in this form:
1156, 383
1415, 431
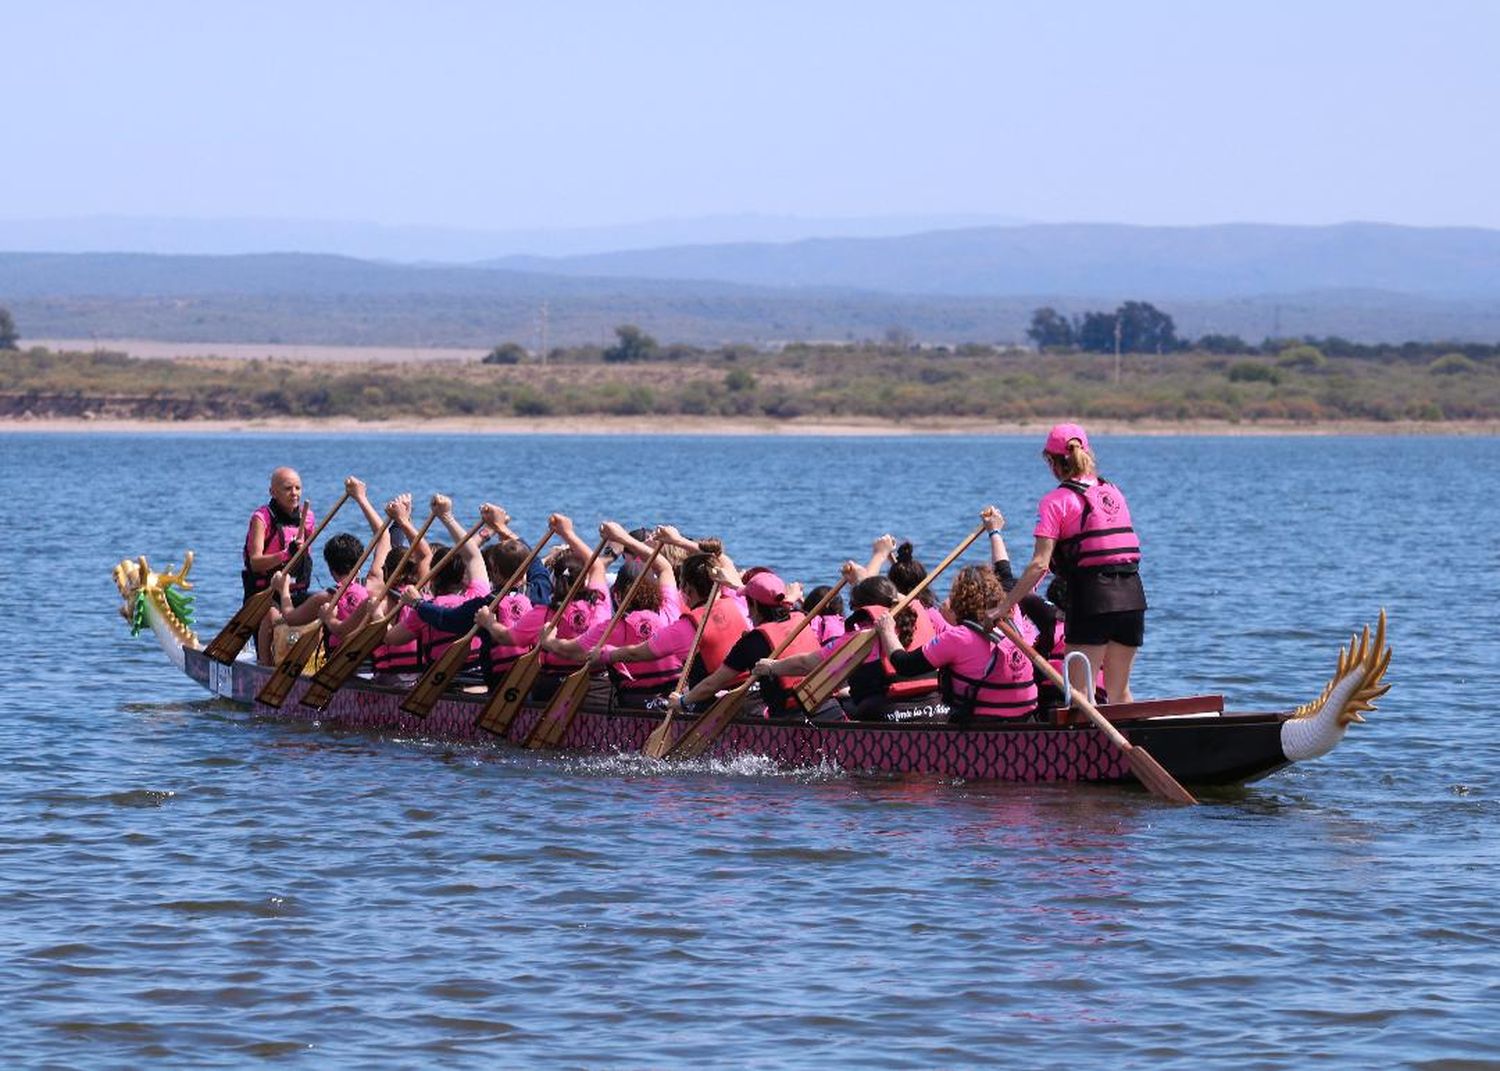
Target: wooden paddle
276, 689
352, 653
563, 707
700, 736
515, 686
427, 691
1146, 769
232, 637
815, 689
657, 743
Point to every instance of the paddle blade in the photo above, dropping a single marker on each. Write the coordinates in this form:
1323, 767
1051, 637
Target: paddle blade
1154, 776
427, 691
349, 656
232, 637
700, 735
549, 729
660, 740
815, 689
281, 682
510, 694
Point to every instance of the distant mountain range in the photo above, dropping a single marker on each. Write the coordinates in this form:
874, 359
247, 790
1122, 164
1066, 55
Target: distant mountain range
1371, 282
417, 244
1156, 263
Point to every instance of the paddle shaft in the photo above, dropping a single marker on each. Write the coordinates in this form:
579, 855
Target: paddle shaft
1079, 699
831, 673
505, 702
290, 668
426, 692
655, 745
1148, 771
699, 736
357, 647
559, 713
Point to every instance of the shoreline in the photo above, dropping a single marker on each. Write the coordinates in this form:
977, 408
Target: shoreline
853, 427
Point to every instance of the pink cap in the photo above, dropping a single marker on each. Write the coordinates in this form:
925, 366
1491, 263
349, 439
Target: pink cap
1057, 439
765, 588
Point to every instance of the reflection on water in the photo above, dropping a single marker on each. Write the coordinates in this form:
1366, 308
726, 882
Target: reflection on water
187, 882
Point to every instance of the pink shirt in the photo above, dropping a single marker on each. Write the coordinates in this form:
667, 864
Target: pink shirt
827, 627
1060, 513
967, 652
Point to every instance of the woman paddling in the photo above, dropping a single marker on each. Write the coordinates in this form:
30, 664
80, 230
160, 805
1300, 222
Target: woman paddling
1084, 536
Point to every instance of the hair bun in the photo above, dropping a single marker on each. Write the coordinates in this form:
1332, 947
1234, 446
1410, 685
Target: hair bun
711, 546
904, 552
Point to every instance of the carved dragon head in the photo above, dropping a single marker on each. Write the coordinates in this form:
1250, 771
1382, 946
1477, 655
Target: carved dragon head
158, 601
1314, 728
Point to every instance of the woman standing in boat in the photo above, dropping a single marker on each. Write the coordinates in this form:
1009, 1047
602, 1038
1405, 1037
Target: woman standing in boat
1084, 535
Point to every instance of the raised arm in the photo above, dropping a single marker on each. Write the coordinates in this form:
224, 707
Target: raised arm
399, 510
665, 578
880, 553
469, 553
993, 521
563, 526
358, 491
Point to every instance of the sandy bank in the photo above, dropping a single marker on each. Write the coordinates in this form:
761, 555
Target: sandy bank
619, 425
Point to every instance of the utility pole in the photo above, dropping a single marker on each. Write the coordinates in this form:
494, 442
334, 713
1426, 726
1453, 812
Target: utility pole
1117, 349
542, 332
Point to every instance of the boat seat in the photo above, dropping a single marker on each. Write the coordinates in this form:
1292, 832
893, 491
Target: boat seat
1150, 708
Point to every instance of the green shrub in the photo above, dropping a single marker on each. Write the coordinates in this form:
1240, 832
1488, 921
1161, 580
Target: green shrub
738, 379
1253, 372
1307, 358
1453, 364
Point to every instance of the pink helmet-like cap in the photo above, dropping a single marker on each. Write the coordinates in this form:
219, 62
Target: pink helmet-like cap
766, 589
1057, 439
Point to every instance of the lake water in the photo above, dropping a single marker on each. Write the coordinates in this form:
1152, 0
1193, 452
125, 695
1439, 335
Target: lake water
185, 883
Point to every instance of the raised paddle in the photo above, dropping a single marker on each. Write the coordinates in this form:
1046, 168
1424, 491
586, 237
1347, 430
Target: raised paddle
829, 676
276, 689
352, 653
563, 707
657, 743
710, 725
505, 703
232, 637
1146, 769
427, 691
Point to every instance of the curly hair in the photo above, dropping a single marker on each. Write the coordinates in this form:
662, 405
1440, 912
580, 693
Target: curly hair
974, 591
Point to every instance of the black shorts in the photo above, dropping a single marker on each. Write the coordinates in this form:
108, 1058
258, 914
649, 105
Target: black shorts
1125, 627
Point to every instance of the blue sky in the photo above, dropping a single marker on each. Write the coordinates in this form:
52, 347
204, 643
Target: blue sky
493, 115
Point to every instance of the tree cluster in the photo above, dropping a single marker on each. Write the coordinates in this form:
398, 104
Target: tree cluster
1134, 327
8, 335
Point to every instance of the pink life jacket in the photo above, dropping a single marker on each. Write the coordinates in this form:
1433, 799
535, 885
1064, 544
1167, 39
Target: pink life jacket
350, 601
1104, 536
654, 676
509, 611
396, 658
1006, 688
277, 538
574, 621
777, 690
922, 631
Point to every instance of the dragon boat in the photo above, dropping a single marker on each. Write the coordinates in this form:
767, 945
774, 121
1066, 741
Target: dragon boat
1194, 738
